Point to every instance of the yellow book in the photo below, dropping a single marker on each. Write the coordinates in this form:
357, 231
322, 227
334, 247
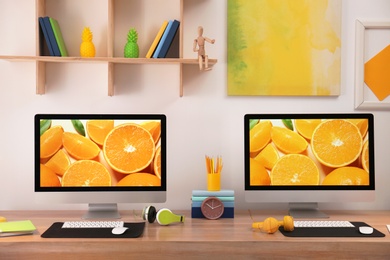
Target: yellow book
156, 40
14, 228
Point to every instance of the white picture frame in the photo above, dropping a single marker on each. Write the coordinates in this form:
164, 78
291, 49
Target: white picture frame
362, 99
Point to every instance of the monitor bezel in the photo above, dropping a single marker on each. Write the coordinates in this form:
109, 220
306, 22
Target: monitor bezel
368, 116
163, 140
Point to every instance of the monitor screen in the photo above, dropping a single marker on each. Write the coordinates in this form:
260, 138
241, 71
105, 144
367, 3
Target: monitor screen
309, 157
100, 159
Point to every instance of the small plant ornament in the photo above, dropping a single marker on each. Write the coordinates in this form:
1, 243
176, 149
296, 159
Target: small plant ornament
131, 48
87, 49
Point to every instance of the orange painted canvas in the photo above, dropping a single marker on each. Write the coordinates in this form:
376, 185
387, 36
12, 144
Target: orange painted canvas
284, 47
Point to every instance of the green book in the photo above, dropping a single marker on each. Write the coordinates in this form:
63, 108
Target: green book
58, 35
15, 228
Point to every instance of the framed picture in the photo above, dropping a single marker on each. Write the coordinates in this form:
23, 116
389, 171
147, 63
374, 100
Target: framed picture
372, 49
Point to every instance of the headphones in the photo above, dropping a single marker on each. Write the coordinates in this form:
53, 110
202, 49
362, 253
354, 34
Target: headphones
271, 225
163, 216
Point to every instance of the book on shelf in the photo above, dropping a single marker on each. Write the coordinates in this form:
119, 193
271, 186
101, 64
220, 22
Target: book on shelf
205, 193
45, 40
58, 36
16, 228
52, 38
222, 198
156, 40
166, 43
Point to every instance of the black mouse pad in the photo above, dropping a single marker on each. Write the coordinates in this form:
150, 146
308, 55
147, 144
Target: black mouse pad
330, 232
56, 231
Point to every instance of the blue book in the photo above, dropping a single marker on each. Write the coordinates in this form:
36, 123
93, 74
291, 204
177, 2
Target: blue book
46, 35
163, 38
221, 193
52, 37
226, 204
169, 39
196, 212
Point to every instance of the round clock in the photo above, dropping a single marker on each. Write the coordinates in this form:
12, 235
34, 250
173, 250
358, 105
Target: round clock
212, 208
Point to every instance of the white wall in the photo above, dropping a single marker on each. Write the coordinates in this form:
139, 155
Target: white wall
204, 121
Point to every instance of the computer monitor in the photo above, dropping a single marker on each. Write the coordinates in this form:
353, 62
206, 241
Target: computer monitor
304, 159
100, 159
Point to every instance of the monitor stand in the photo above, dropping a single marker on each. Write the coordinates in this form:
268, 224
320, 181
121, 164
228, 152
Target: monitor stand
102, 211
306, 210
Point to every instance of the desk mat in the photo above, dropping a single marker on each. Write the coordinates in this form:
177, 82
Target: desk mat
56, 231
330, 232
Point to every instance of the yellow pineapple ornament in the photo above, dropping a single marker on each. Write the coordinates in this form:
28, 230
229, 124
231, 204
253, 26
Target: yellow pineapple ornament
87, 49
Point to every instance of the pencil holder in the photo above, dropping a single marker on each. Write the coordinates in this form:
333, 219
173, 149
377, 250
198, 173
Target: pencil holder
213, 181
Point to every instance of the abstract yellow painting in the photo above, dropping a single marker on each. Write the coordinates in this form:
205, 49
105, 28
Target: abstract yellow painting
284, 47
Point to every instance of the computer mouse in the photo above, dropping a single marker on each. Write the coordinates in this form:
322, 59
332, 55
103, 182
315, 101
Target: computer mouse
366, 230
119, 230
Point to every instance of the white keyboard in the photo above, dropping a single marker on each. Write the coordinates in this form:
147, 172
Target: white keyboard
93, 224
322, 223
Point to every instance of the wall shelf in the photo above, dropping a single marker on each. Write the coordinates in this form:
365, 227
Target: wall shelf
111, 60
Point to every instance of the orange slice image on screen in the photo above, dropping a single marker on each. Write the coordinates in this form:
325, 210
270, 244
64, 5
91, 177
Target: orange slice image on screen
129, 148
154, 128
51, 141
336, 143
98, 130
364, 158
259, 137
140, 179
80, 147
86, 173
157, 163
347, 176
288, 141
295, 169
48, 178
362, 124
306, 127
258, 174
59, 162
268, 156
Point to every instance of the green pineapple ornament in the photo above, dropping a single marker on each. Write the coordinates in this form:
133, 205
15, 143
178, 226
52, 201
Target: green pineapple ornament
131, 47
87, 48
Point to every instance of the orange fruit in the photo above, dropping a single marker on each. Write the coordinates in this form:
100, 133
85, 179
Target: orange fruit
336, 143
59, 162
79, 147
364, 157
258, 174
140, 179
48, 177
305, 127
98, 129
295, 169
129, 148
288, 141
86, 173
154, 128
362, 124
157, 163
268, 156
347, 176
51, 141
260, 136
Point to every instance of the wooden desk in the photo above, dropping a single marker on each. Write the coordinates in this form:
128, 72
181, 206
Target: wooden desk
196, 239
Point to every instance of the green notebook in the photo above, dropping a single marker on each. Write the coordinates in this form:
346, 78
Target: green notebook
14, 228
59, 38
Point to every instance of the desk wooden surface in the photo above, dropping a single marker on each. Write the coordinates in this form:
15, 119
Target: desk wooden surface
196, 239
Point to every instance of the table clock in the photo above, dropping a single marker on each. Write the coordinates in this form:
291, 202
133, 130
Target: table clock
212, 208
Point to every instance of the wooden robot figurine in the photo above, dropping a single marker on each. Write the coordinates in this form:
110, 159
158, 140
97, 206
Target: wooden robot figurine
200, 42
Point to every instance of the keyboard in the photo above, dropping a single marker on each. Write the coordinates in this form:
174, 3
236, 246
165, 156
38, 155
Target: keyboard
322, 223
93, 224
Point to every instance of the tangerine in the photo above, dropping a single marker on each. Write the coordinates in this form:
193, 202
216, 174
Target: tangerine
268, 156
48, 178
86, 173
347, 176
51, 141
80, 147
258, 174
154, 128
129, 148
157, 163
140, 179
260, 136
59, 162
365, 157
295, 169
98, 129
336, 143
288, 141
306, 127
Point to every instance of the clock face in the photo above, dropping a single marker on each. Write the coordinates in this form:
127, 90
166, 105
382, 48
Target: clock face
212, 208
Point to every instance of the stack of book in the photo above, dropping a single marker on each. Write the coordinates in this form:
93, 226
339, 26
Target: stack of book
226, 196
54, 41
16, 228
163, 40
